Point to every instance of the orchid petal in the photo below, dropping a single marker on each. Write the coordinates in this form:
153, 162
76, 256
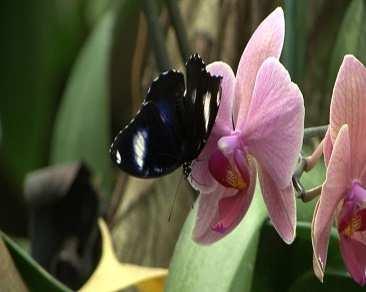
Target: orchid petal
226, 206
360, 236
354, 257
266, 41
274, 129
223, 122
348, 106
207, 213
281, 206
358, 194
318, 269
327, 147
200, 178
333, 191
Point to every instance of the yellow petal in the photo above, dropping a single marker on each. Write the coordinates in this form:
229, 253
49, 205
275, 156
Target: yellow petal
111, 275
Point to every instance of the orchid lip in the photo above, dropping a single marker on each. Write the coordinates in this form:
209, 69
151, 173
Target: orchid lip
226, 171
356, 223
231, 170
218, 227
353, 217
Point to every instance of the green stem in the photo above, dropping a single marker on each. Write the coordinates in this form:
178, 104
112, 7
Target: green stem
315, 131
305, 164
156, 35
180, 31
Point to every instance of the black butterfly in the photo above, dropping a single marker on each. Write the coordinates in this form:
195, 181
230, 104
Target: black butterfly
172, 125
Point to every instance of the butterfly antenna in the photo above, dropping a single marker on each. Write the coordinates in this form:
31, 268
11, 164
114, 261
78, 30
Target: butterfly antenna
175, 197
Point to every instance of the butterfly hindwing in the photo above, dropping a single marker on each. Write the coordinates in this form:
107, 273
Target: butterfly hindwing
202, 100
150, 146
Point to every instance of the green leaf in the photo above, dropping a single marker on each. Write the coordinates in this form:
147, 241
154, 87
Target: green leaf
279, 266
334, 282
226, 265
95, 9
351, 37
128, 62
326, 17
34, 276
334, 259
297, 26
82, 124
82, 129
39, 42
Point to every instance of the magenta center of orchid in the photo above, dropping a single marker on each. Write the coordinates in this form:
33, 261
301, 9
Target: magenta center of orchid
353, 213
228, 164
229, 167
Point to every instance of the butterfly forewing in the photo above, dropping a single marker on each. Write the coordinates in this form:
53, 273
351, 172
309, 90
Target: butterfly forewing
149, 146
172, 125
213, 99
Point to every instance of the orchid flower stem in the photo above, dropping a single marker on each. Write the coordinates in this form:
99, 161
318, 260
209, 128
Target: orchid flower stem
180, 31
312, 160
315, 132
307, 164
156, 35
311, 194
297, 175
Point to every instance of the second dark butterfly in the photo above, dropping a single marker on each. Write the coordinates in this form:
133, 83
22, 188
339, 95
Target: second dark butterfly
172, 125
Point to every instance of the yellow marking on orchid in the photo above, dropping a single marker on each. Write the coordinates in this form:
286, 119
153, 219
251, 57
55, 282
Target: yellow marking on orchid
353, 226
235, 180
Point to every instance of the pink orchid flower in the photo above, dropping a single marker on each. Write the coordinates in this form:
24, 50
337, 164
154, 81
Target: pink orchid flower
343, 196
259, 127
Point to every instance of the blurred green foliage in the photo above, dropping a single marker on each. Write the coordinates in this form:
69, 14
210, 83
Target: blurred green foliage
82, 126
224, 266
34, 276
39, 42
68, 82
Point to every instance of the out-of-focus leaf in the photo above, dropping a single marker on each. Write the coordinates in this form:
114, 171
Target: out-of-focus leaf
297, 26
65, 245
351, 38
279, 266
39, 43
128, 55
111, 275
82, 124
10, 280
226, 265
94, 10
320, 43
33, 275
102, 74
334, 260
1, 131
333, 282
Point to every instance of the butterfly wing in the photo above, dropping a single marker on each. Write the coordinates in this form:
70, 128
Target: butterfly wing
149, 146
201, 102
